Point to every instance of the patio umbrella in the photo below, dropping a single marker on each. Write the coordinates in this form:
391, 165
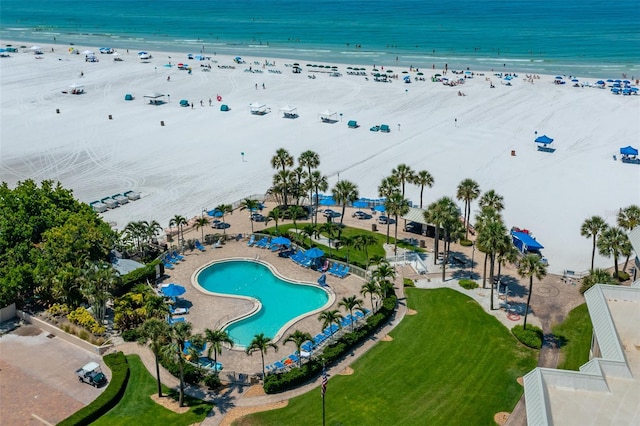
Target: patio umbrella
87, 52
543, 139
360, 204
327, 201
283, 241
215, 213
380, 208
628, 150
314, 253
173, 290
35, 48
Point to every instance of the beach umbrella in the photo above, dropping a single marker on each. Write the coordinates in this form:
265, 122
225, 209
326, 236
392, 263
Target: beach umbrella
327, 201
420, 73
543, 139
282, 241
173, 290
609, 80
314, 253
35, 48
437, 75
359, 204
600, 82
389, 71
628, 150
558, 77
575, 80
215, 213
380, 208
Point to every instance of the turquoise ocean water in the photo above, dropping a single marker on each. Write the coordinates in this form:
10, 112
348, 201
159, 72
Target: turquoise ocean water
281, 301
589, 38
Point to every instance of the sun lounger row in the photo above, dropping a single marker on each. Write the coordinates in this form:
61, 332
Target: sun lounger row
301, 259
339, 270
114, 201
284, 363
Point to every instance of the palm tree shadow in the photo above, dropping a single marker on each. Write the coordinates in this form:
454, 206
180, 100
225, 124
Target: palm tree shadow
516, 289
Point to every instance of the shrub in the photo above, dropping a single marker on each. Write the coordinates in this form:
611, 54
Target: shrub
58, 309
83, 318
408, 282
468, 284
531, 337
192, 374
466, 243
117, 362
622, 276
137, 276
131, 335
212, 381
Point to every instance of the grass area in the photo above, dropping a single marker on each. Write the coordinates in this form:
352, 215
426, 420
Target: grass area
452, 364
356, 256
574, 335
137, 407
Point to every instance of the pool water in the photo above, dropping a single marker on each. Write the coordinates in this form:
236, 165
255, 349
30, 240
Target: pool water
282, 301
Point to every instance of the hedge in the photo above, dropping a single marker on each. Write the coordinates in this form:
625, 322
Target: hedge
531, 337
137, 276
117, 362
468, 284
281, 382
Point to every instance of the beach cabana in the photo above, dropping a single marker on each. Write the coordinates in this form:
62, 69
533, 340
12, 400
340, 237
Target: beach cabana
543, 142
155, 98
353, 124
258, 108
328, 116
628, 150
76, 89
144, 55
289, 111
128, 97
629, 155
224, 108
525, 243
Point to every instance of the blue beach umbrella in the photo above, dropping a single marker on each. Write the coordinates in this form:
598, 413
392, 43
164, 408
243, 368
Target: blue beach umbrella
628, 150
215, 213
282, 241
173, 290
314, 253
360, 204
327, 202
380, 208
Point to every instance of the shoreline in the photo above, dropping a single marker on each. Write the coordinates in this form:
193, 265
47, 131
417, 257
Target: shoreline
194, 161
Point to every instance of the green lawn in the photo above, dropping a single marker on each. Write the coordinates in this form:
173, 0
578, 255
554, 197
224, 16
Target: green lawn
137, 407
574, 335
450, 364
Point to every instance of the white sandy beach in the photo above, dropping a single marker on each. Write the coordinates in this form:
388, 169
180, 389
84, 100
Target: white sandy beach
194, 161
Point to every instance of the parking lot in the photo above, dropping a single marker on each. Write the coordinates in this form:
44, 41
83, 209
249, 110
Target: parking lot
38, 384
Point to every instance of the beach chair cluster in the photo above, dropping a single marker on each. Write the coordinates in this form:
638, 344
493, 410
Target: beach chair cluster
171, 258
263, 243
114, 201
338, 270
199, 246
301, 259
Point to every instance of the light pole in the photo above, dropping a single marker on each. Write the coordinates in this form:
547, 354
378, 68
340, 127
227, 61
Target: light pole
473, 252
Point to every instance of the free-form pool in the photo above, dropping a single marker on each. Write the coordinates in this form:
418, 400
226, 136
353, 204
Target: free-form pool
281, 300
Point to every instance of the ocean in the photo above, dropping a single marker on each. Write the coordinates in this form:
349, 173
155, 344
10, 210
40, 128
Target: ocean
592, 38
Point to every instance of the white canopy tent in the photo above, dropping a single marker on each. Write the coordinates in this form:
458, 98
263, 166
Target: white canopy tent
289, 111
328, 116
258, 108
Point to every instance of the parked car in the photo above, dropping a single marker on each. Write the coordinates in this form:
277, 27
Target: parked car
361, 215
383, 220
413, 227
331, 213
257, 217
92, 374
221, 225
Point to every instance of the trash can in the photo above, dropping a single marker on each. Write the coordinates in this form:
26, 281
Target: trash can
422, 244
374, 227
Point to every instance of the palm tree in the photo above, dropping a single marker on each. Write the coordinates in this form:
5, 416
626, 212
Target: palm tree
99, 279
628, 219
396, 206
179, 222
487, 215
179, 334
450, 219
224, 209
298, 338
384, 273
216, 339
344, 192
403, 174
436, 214
507, 253
597, 276
155, 332
156, 307
275, 215
423, 178
492, 199
310, 160
531, 266
261, 343
249, 205
152, 230
388, 187
317, 182
468, 190
593, 227
283, 182
492, 237
135, 231
350, 303
281, 160
330, 229
347, 242
613, 242
328, 318
295, 212
308, 230
372, 289
201, 223
363, 241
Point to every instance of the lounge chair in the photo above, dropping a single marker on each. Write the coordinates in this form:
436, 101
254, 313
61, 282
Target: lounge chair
359, 314
319, 338
170, 258
172, 321
294, 358
167, 265
252, 240
384, 128
344, 272
199, 246
337, 271
177, 255
353, 124
333, 269
262, 243
179, 311
279, 365
218, 243
307, 346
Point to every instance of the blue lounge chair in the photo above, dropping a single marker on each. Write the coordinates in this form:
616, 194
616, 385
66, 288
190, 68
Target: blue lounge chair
199, 246
167, 265
177, 255
178, 311
306, 262
344, 272
337, 271
294, 358
359, 314
307, 346
252, 240
319, 338
170, 258
262, 243
384, 128
333, 268
279, 365
172, 321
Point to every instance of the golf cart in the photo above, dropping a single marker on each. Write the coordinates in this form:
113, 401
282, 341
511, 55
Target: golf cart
92, 374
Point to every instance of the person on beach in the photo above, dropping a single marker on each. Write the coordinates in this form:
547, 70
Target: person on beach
256, 86
209, 101
168, 78
263, 86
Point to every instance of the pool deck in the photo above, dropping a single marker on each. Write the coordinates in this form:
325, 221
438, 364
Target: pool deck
210, 311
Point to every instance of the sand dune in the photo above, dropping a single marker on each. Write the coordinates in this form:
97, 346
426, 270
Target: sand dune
194, 161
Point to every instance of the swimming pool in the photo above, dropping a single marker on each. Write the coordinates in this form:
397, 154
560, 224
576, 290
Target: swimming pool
281, 301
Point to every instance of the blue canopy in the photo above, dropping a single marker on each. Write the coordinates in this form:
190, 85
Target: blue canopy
525, 243
380, 208
314, 253
283, 241
327, 202
628, 150
215, 213
173, 290
543, 139
360, 204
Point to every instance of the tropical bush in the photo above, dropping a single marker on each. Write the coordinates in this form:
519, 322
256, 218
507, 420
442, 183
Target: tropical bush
597, 276
468, 284
408, 282
331, 354
212, 381
622, 276
137, 276
117, 363
83, 318
131, 335
192, 374
531, 337
466, 243
58, 309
